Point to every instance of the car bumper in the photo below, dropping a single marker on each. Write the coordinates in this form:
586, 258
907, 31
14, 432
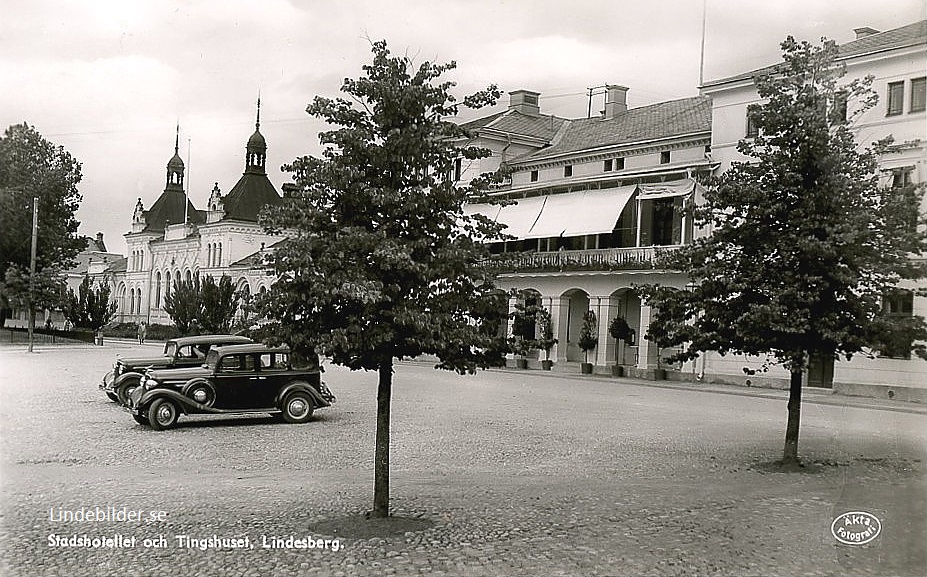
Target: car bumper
132, 404
109, 379
326, 393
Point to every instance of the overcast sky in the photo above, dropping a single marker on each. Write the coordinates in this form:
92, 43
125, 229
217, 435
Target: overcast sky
109, 80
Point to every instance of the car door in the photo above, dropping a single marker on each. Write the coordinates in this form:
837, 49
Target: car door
233, 381
271, 378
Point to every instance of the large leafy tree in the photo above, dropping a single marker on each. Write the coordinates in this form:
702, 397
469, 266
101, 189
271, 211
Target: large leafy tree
45, 292
804, 242
382, 263
91, 307
32, 167
202, 306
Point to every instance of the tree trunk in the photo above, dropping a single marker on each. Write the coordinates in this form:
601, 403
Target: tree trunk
381, 458
790, 454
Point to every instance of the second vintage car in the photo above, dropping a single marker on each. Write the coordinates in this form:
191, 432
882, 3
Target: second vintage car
119, 383
253, 378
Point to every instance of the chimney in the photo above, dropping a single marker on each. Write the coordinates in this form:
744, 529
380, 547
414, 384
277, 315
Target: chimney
616, 100
864, 31
525, 102
100, 246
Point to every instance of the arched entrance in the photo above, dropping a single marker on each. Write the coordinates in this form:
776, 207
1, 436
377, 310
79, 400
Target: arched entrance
573, 305
625, 303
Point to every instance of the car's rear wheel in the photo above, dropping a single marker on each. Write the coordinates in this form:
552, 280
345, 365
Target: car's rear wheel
297, 408
162, 414
124, 390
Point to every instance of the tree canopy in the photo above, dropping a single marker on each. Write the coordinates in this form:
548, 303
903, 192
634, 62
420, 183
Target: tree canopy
202, 306
382, 263
90, 308
32, 167
804, 243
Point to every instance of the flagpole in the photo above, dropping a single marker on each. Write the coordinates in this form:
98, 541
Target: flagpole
186, 192
701, 64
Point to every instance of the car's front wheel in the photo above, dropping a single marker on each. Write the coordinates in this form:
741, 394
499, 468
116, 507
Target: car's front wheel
124, 390
162, 414
141, 419
297, 408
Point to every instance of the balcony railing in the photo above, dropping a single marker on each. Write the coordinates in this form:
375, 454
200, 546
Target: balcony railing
604, 259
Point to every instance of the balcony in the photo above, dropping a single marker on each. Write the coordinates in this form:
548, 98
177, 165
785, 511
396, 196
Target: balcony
606, 259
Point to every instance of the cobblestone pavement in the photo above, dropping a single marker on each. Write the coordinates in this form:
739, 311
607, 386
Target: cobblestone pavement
504, 473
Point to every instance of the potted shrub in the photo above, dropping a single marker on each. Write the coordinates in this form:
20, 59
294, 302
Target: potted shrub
523, 331
620, 330
588, 339
545, 340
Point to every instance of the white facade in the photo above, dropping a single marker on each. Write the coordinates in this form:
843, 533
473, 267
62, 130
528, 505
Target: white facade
174, 240
897, 59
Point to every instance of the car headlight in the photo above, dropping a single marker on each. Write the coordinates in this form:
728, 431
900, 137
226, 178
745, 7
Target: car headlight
148, 383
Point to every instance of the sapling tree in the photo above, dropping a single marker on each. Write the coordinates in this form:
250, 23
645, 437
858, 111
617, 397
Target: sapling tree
382, 263
805, 244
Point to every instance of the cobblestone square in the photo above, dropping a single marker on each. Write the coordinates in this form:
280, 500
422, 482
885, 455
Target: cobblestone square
503, 473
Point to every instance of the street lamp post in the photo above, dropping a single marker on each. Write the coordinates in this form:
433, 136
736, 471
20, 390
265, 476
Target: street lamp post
35, 234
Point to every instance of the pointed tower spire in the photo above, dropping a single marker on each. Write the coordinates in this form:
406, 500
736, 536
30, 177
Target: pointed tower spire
175, 166
256, 149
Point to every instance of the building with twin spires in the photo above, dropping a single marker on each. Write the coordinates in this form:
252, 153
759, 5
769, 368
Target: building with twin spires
173, 239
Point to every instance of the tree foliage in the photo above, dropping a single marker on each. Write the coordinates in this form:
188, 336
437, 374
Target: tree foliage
90, 308
30, 166
202, 307
49, 288
588, 333
804, 242
382, 262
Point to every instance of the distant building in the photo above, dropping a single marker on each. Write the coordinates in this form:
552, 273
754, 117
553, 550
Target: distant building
595, 200
174, 240
94, 261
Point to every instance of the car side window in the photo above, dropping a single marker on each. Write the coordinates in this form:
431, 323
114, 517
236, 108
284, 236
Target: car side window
273, 362
230, 363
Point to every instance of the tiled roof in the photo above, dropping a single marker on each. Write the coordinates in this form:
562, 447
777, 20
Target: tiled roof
248, 197
542, 126
120, 265
256, 259
662, 120
169, 209
481, 122
910, 35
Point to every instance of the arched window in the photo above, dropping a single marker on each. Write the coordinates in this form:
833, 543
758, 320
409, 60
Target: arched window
219, 256
131, 301
189, 275
158, 290
209, 254
167, 284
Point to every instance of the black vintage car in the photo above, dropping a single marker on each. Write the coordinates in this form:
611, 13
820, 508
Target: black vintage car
180, 352
235, 379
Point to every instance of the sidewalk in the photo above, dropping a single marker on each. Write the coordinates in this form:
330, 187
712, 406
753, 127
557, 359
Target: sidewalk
810, 395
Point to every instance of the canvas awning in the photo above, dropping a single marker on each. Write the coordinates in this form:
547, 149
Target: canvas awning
581, 213
667, 189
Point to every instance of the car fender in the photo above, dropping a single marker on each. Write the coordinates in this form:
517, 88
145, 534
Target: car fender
185, 403
196, 382
303, 387
126, 376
